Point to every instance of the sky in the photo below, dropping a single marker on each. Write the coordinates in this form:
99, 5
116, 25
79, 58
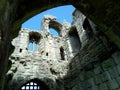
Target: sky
61, 12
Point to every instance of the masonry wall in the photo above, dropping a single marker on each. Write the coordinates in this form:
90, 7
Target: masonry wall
91, 60
97, 64
104, 76
46, 64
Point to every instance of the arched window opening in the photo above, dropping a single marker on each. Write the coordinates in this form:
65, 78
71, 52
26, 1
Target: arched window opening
31, 86
34, 84
55, 27
33, 46
62, 53
53, 32
34, 39
55, 12
74, 40
87, 27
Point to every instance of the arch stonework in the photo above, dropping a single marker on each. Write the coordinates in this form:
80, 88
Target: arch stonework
14, 12
39, 83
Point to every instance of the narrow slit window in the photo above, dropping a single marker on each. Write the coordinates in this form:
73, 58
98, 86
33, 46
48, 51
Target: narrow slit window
20, 50
62, 54
46, 54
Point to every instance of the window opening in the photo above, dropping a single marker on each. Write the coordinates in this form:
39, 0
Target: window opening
31, 86
33, 46
53, 32
20, 50
34, 39
46, 54
30, 46
34, 84
87, 27
74, 40
62, 54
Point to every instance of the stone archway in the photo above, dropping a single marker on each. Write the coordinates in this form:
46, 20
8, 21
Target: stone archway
13, 13
34, 84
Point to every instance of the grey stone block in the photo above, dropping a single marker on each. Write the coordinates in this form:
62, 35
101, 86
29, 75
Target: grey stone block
112, 84
118, 69
113, 72
91, 82
97, 79
118, 80
105, 76
108, 64
81, 77
116, 57
94, 88
98, 70
103, 86
89, 74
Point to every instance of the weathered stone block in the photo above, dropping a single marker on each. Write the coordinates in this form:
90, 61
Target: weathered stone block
108, 64
97, 79
89, 74
113, 72
91, 82
112, 84
81, 77
75, 88
103, 86
105, 76
98, 70
118, 69
118, 80
87, 84
80, 86
116, 57
94, 88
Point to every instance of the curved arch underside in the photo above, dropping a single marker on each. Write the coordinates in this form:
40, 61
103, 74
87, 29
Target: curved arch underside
100, 13
13, 13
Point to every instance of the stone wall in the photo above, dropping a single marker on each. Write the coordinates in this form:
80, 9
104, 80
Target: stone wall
14, 12
47, 63
96, 66
104, 76
91, 61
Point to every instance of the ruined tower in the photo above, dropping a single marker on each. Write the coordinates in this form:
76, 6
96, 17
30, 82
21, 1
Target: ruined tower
46, 61
64, 62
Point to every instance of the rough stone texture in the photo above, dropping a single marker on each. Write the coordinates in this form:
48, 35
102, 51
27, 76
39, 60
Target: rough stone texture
45, 63
88, 61
105, 14
100, 81
96, 65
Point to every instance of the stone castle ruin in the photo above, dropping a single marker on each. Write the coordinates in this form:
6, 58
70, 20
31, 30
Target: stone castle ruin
80, 58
